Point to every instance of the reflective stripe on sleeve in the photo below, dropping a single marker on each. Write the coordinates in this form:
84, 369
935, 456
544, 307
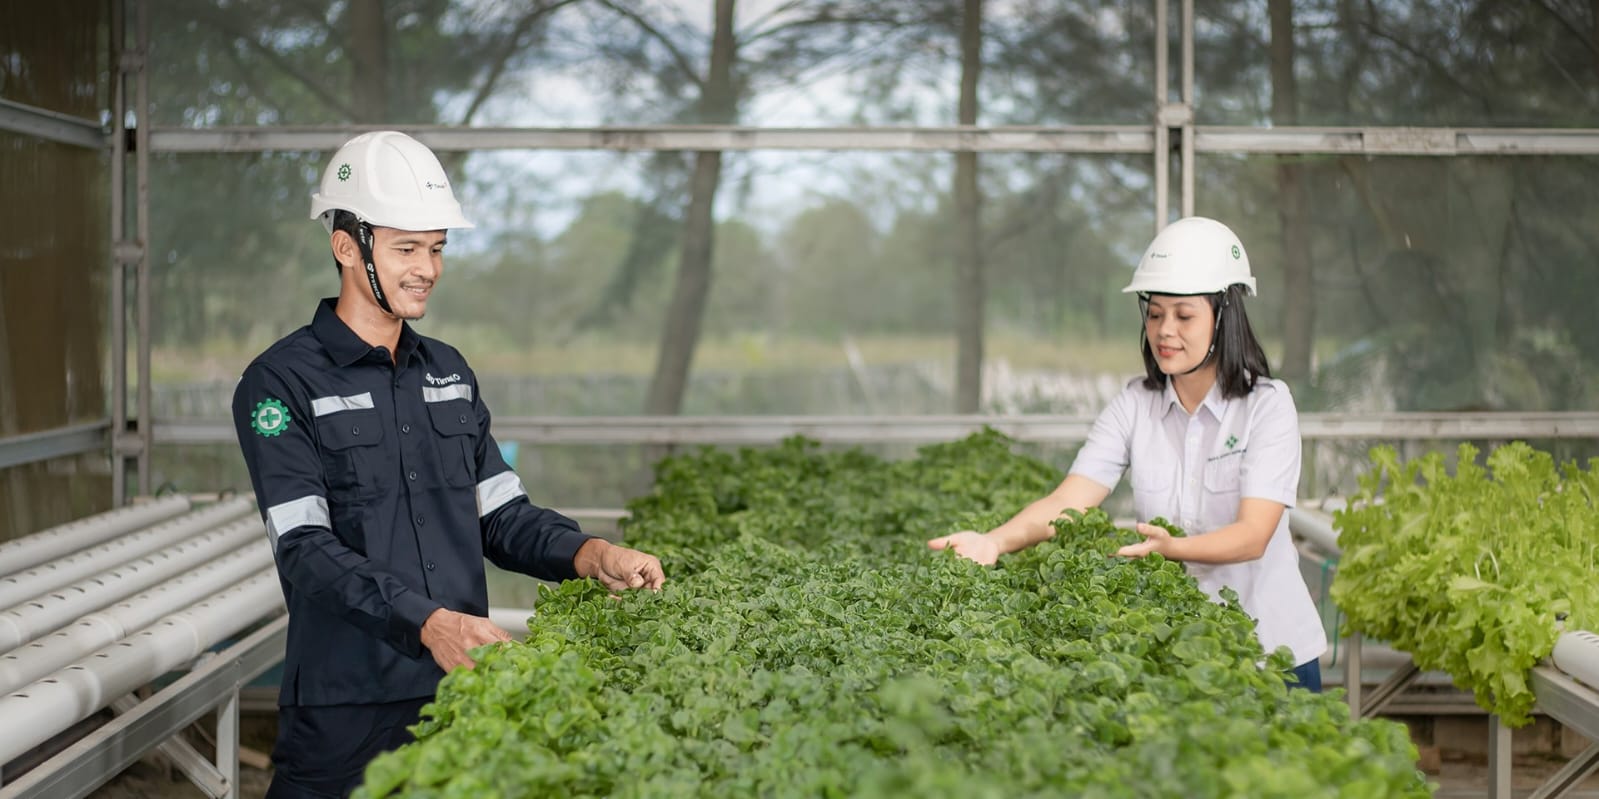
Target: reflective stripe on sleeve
303, 512
447, 393
498, 490
322, 406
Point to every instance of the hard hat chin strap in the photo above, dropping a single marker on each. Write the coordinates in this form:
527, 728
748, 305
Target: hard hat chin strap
1215, 332
363, 239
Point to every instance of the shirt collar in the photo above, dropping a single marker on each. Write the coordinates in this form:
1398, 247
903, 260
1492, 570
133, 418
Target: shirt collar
345, 346
1213, 401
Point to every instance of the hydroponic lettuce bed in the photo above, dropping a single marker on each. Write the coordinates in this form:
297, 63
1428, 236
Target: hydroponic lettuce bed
808, 644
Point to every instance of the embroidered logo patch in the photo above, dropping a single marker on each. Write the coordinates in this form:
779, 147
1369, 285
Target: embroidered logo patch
1232, 441
271, 418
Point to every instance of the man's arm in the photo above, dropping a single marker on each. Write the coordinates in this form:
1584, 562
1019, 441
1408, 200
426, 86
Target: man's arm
273, 422
523, 537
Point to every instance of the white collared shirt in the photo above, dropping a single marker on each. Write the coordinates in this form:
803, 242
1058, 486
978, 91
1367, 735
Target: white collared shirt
1193, 469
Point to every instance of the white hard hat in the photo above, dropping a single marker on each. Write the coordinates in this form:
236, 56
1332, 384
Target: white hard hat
1193, 255
388, 179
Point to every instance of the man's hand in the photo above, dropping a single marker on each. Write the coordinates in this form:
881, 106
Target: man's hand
970, 545
449, 636
618, 568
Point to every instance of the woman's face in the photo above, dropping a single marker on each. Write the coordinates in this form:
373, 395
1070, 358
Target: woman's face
1179, 331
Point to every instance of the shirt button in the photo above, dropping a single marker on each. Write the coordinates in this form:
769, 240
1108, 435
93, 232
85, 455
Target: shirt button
419, 520
355, 430
430, 565
405, 428
463, 419
412, 475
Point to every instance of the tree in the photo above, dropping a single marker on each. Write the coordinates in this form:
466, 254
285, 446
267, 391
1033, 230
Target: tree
970, 294
1298, 307
391, 62
789, 40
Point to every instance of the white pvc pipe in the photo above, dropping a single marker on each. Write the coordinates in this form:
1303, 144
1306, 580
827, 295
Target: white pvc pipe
1315, 527
26, 585
30, 551
511, 620
26, 664
1577, 653
43, 708
28, 620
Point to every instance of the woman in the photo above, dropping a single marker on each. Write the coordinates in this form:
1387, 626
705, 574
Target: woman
1211, 439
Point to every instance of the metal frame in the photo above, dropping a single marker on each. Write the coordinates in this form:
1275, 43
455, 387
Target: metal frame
1559, 697
1032, 428
41, 123
151, 724
119, 246
57, 443
133, 434
1071, 139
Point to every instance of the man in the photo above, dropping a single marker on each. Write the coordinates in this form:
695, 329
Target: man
381, 487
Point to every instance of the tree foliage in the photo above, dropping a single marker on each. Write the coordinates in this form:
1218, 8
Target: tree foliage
1456, 279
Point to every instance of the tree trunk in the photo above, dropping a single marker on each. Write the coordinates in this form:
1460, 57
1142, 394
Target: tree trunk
1593, 41
369, 90
686, 314
970, 295
1299, 300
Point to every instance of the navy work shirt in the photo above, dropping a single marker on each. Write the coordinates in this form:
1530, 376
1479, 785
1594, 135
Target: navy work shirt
382, 491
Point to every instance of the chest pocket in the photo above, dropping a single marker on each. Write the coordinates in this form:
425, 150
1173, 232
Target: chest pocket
456, 426
1154, 486
1223, 482
352, 455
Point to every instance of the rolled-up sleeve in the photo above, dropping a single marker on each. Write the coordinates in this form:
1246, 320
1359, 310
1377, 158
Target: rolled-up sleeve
1104, 457
272, 423
1271, 463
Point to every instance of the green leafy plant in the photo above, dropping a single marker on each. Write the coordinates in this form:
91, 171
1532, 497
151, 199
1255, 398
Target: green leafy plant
809, 644
1470, 572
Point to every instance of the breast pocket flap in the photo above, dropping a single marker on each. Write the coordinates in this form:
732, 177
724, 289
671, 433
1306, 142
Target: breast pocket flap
452, 418
347, 429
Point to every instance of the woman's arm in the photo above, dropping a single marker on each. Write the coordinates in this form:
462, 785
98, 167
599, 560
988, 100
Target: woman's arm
1032, 524
1027, 527
1243, 540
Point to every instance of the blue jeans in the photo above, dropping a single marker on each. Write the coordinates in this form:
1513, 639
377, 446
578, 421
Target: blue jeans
1307, 675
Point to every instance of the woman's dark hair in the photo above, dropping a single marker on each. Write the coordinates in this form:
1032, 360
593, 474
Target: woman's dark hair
1240, 361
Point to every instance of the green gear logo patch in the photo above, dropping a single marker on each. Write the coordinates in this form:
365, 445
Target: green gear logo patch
271, 417
1236, 252
344, 172
1232, 441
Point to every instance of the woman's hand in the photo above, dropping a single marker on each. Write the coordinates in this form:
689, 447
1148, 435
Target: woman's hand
969, 544
1156, 539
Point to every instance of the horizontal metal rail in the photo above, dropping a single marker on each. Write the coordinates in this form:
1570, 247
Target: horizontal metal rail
1131, 139
58, 443
1397, 141
42, 123
749, 430
1074, 139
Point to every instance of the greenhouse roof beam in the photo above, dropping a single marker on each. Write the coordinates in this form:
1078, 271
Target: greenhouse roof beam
1104, 139
52, 126
1405, 426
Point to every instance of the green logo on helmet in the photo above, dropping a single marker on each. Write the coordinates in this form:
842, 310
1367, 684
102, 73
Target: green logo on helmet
344, 174
1237, 253
271, 417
